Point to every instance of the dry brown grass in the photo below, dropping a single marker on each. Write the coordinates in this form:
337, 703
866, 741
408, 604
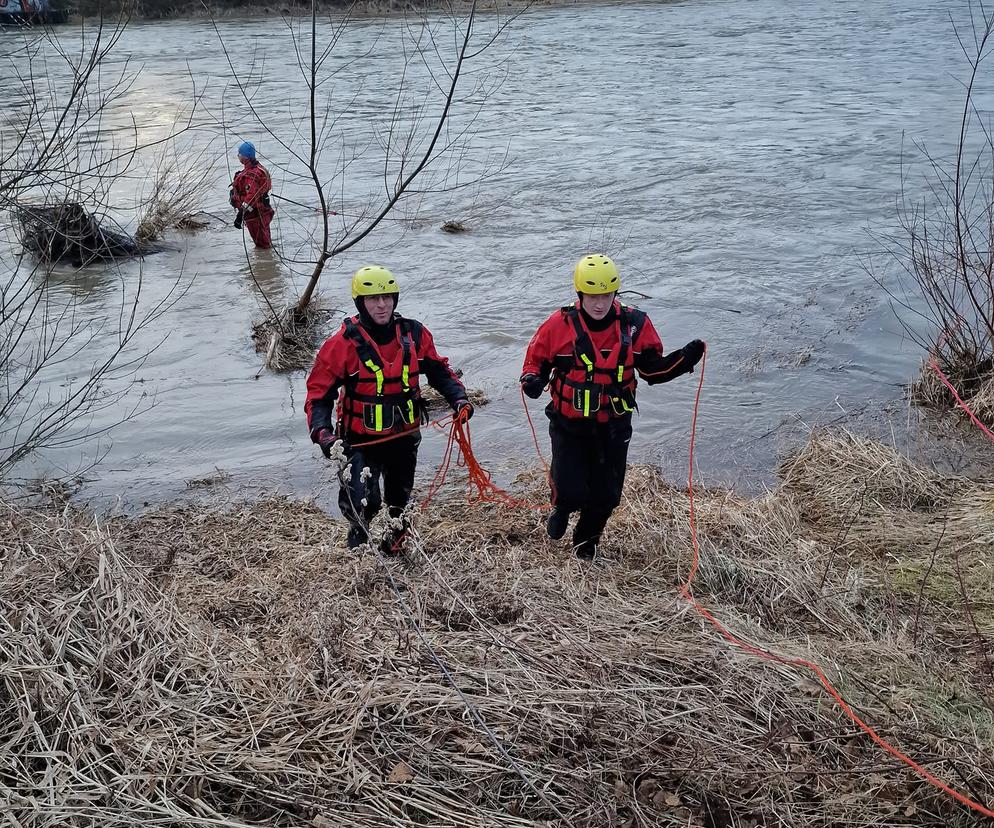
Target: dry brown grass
925, 538
981, 400
973, 381
234, 665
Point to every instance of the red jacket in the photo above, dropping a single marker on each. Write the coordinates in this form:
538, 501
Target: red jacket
593, 372
344, 381
251, 187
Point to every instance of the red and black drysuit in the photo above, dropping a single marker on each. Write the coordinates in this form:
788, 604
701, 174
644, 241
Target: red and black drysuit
591, 369
250, 197
371, 374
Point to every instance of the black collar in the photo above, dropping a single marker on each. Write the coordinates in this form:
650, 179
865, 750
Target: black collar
599, 324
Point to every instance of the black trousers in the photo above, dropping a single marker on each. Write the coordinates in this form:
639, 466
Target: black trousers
589, 461
395, 461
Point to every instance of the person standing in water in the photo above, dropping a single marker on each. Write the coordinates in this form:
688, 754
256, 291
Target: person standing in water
249, 195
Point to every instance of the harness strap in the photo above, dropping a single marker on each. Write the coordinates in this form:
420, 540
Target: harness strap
405, 373
370, 358
586, 396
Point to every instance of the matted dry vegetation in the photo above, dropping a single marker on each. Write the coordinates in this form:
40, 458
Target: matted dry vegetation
235, 666
974, 383
291, 337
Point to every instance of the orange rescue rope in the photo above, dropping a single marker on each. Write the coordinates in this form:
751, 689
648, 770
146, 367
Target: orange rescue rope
482, 489
686, 590
480, 485
945, 381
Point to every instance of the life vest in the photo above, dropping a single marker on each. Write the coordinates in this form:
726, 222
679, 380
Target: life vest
590, 385
382, 399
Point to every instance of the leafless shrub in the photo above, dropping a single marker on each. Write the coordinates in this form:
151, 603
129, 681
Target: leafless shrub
419, 148
179, 183
290, 337
945, 249
58, 367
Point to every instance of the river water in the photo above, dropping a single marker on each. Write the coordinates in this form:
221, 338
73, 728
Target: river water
731, 155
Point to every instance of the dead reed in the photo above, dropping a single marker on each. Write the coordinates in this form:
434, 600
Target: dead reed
232, 665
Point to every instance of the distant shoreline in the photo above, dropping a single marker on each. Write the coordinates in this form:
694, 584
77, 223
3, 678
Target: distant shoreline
151, 10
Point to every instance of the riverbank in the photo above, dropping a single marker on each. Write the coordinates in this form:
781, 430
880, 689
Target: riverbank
180, 9
230, 663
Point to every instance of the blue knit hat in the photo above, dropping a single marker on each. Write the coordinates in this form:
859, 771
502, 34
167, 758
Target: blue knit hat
247, 150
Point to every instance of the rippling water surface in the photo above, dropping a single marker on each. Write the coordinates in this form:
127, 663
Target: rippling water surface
730, 155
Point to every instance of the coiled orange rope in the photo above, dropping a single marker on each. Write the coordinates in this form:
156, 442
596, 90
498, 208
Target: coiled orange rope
480, 485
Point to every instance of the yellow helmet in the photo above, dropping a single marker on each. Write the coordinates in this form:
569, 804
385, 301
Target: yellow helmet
596, 274
373, 280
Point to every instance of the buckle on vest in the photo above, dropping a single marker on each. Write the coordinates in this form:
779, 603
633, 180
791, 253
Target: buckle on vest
380, 417
623, 403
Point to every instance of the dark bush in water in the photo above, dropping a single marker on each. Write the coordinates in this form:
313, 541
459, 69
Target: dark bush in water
54, 232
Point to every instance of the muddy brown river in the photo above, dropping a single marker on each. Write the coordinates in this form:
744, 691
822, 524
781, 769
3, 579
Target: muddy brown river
730, 155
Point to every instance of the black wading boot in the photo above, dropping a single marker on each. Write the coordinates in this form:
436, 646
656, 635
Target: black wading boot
357, 537
585, 550
558, 521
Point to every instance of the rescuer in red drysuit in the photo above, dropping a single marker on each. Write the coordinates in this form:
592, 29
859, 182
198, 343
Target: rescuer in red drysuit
589, 354
370, 372
249, 195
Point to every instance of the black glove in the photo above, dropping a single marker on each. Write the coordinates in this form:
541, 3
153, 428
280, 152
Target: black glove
238, 220
326, 439
693, 351
533, 384
464, 409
